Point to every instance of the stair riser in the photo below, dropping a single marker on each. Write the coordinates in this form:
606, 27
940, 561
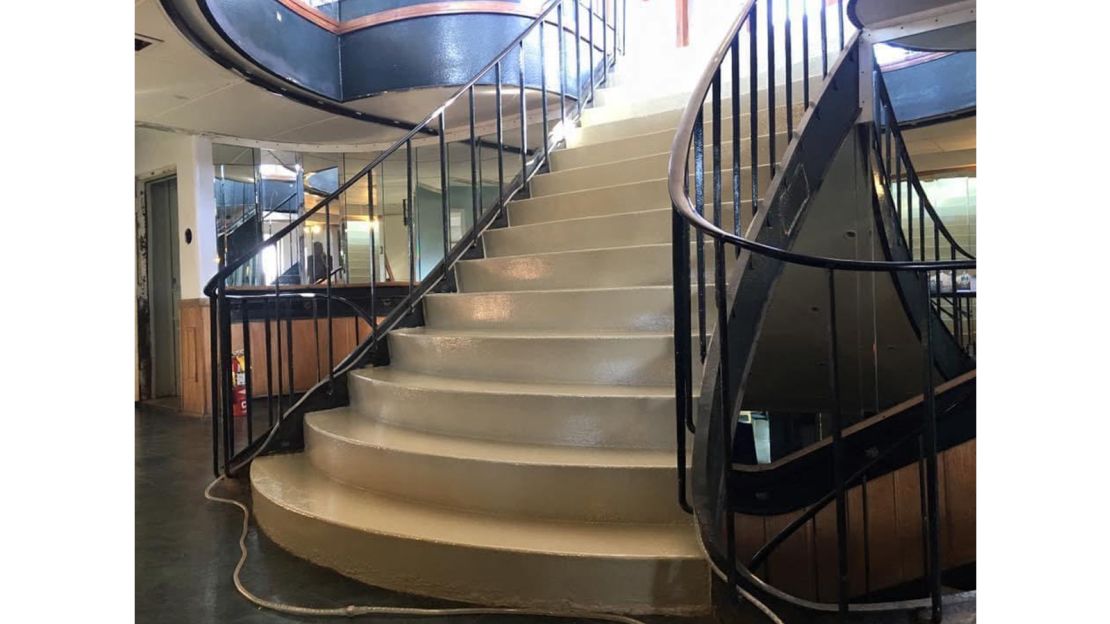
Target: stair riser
616, 94
491, 577
642, 228
629, 127
646, 360
654, 143
613, 421
625, 309
603, 268
636, 170
625, 198
559, 492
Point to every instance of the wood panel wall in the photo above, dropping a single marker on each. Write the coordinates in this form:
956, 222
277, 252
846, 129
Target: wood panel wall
309, 352
805, 564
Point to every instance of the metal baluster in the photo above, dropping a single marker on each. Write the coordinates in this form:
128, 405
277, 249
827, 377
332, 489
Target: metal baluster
316, 337
327, 304
444, 191
500, 132
577, 58
543, 93
771, 160
840, 17
715, 112
225, 374
728, 417
562, 68
604, 41
269, 366
475, 200
591, 43
789, 82
370, 216
930, 448
214, 383
407, 206
523, 125
277, 332
753, 113
824, 40
805, 51
957, 304
699, 205
909, 212
898, 187
289, 352
624, 27
936, 257
838, 454
248, 366
921, 224
680, 269
736, 136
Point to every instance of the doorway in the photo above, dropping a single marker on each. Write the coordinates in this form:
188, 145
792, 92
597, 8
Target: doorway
164, 285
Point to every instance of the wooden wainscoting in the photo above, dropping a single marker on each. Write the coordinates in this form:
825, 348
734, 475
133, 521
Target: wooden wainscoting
805, 564
309, 363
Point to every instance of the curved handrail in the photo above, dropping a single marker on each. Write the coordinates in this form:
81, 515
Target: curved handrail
723, 379
684, 206
210, 287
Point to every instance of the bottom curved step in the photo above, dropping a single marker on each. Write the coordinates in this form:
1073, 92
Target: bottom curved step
493, 560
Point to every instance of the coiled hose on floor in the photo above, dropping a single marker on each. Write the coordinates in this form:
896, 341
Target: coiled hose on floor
357, 610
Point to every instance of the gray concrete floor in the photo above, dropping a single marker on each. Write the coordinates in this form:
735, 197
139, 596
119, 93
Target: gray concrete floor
186, 547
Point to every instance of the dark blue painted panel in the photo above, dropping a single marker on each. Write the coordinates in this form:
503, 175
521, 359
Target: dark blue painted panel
423, 52
283, 42
932, 90
350, 9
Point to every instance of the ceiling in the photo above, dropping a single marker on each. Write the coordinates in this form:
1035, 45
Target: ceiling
178, 87
943, 146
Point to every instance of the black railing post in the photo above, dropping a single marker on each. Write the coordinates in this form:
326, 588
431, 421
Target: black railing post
227, 402
269, 365
562, 67
728, 416
590, 32
316, 337
680, 270
771, 114
327, 304
579, 97
824, 40
753, 113
475, 201
789, 80
277, 335
444, 194
930, 447
523, 124
699, 236
735, 53
838, 454
840, 20
247, 369
214, 382
805, 52
604, 41
407, 206
499, 113
543, 92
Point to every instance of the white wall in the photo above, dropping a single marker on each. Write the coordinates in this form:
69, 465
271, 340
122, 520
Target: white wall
158, 153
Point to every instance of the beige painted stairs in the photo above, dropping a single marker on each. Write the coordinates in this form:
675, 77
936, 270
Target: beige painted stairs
519, 450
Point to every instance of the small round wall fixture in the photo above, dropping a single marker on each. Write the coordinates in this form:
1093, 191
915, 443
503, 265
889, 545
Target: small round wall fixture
188, 235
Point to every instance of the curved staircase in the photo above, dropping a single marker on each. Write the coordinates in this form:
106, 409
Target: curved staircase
519, 448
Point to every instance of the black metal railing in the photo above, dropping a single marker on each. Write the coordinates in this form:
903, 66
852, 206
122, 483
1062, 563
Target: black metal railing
924, 234
487, 141
748, 255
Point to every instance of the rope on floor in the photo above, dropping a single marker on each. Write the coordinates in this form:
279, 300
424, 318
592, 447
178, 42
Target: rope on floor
357, 610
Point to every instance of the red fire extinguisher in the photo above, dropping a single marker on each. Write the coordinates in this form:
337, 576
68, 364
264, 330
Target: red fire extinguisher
239, 385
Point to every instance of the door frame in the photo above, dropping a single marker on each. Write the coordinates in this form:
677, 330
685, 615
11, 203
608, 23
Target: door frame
144, 311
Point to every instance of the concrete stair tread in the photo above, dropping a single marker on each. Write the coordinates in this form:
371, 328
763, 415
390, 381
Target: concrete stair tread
571, 251
529, 334
580, 220
354, 428
425, 381
662, 178
291, 482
